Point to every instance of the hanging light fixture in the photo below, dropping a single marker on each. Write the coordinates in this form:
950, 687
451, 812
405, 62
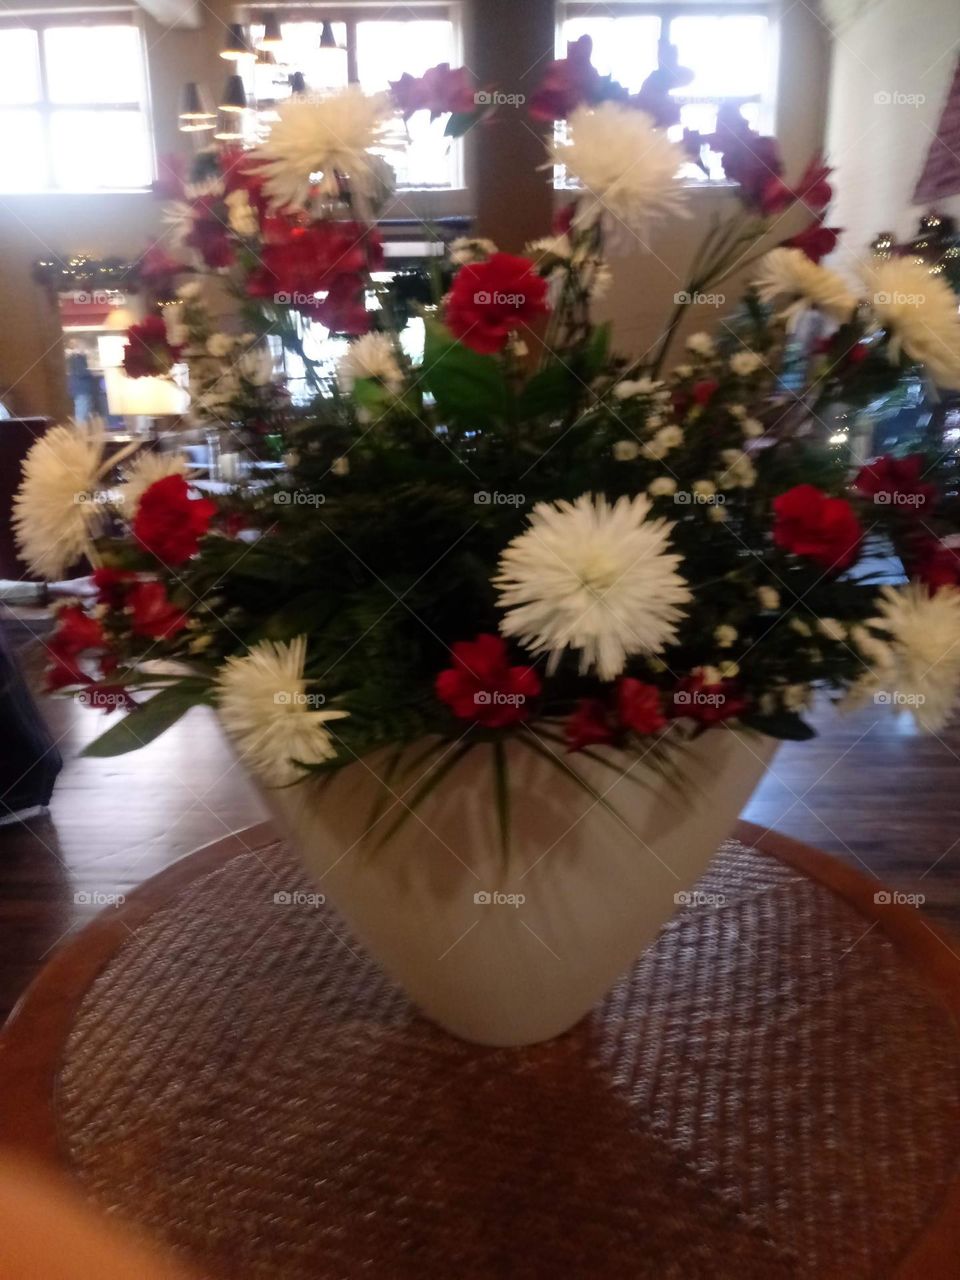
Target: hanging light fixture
234, 96
229, 127
236, 47
332, 60
195, 113
271, 38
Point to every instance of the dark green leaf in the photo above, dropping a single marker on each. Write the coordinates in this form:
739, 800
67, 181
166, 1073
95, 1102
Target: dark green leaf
786, 725
466, 385
151, 718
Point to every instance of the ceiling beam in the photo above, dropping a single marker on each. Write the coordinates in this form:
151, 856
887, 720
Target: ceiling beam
174, 13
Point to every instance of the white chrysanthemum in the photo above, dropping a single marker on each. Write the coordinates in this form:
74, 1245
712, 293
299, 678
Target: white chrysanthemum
265, 708
372, 356
701, 344
918, 667
798, 283
628, 166
144, 471
594, 577
240, 214
467, 249
56, 506
919, 311
316, 139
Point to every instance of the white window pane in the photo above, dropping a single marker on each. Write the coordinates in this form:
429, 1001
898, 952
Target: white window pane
625, 48
385, 50
94, 64
22, 153
19, 66
96, 149
729, 55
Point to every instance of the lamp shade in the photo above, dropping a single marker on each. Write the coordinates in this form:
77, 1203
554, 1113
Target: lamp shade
194, 104
271, 38
235, 46
195, 113
234, 95
332, 60
229, 128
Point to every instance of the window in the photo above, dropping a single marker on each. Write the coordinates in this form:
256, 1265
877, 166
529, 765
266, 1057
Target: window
730, 55
73, 107
376, 51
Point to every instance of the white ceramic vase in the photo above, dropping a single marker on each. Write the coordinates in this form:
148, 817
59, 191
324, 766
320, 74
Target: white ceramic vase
515, 954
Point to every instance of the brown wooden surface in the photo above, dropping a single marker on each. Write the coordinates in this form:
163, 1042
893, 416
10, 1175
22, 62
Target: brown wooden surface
32, 1043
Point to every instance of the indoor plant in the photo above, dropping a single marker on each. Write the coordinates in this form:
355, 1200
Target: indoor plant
513, 641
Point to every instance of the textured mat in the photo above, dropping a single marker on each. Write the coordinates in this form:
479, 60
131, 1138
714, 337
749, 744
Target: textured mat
768, 1093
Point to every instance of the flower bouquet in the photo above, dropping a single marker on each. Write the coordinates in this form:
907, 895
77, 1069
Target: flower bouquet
513, 641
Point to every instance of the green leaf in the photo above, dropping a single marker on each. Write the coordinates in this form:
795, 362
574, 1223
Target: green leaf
597, 351
368, 393
465, 384
461, 121
151, 718
502, 792
433, 780
548, 391
786, 725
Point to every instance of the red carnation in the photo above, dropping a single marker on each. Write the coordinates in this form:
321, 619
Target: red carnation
148, 353
935, 564
703, 392
151, 613
816, 241
491, 299
637, 709
76, 633
112, 585
169, 523
711, 703
63, 672
589, 726
817, 527
898, 483
481, 686
638, 706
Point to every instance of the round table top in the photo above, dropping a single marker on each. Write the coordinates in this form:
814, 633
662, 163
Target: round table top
771, 1091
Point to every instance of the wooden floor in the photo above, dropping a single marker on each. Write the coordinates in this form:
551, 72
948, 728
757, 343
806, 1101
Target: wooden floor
869, 789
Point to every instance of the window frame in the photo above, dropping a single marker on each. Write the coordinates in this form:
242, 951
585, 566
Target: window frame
350, 14
667, 11
39, 21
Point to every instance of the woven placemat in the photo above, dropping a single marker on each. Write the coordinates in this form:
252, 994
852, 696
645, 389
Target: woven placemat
770, 1092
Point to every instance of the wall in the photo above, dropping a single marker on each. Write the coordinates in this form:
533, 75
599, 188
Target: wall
646, 279
887, 47
503, 46
32, 226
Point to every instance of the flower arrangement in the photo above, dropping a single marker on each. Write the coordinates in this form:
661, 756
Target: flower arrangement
525, 536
